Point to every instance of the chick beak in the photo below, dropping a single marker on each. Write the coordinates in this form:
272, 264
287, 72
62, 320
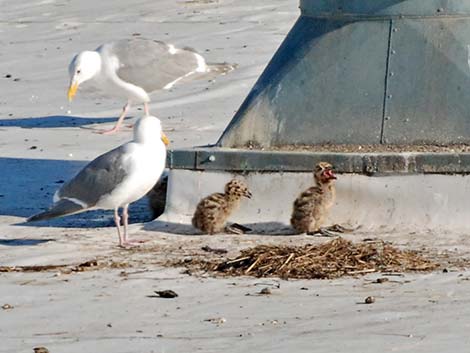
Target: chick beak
165, 139
72, 91
329, 173
248, 194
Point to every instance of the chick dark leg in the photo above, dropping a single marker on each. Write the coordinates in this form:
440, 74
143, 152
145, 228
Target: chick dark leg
323, 232
116, 127
340, 229
236, 228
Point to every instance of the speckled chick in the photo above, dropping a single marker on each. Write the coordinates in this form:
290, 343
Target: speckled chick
213, 211
312, 206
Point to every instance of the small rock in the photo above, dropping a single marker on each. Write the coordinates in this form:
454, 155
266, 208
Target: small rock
369, 300
265, 291
218, 320
304, 288
213, 250
7, 76
382, 280
7, 307
16, 79
166, 293
33, 147
445, 270
40, 350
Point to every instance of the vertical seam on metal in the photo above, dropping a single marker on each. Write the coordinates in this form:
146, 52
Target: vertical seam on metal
387, 68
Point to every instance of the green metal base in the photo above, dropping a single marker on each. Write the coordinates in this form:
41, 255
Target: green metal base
238, 160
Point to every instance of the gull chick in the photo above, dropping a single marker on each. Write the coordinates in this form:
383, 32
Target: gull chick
213, 211
312, 206
116, 178
132, 68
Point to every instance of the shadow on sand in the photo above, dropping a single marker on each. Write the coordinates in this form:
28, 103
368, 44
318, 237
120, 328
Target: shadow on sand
23, 242
28, 185
55, 121
260, 228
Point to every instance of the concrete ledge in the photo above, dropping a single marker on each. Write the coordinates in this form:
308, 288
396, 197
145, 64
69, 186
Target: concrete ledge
385, 8
242, 160
409, 203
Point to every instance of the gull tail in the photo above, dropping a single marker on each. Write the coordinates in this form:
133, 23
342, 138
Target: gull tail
61, 208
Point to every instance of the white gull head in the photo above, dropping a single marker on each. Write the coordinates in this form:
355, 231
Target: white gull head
148, 129
83, 67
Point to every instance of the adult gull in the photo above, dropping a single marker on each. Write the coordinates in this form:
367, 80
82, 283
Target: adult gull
116, 178
132, 68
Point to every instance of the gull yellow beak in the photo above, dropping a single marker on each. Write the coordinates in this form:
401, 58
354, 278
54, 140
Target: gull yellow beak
165, 139
72, 91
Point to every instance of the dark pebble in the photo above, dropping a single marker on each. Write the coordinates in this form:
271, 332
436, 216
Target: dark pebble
265, 291
166, 293
40, 350
382, 280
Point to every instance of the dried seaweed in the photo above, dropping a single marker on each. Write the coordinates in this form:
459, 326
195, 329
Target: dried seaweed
90, 265
333, 259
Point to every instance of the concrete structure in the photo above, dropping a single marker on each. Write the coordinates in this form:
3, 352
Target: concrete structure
364, 71
351, 72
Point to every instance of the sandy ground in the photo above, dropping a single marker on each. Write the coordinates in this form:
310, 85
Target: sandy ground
114, 309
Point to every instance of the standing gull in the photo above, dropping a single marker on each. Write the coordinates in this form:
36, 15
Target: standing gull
132, 68
116, 178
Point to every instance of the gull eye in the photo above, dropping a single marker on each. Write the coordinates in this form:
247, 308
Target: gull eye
78, 71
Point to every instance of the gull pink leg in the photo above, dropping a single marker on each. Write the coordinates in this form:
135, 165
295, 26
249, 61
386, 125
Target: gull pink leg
117, 221
116, 128
125, 222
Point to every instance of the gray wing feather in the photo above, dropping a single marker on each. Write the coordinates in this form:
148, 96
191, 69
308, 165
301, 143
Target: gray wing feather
61, 208
99, 177
149, 64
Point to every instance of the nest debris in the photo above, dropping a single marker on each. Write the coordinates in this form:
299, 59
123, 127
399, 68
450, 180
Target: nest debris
333, 259
91, 265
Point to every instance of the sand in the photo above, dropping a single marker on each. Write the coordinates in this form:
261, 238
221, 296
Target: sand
114, 309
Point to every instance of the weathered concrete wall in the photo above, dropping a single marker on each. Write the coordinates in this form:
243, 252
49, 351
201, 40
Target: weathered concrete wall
407, 203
